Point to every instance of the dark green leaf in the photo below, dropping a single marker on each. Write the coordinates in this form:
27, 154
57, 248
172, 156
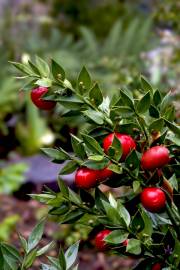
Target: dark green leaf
123, 111
84, 80
115, 150
144, 104
157, 98
117, 237
132, 160
69, 167
71, 255
153, 111
146, 86
62, 260
124, 213
55, 154
156, 125
99, 197
42, 67
78, 147
126, 99
92, 144
57, 71
72, 103
96, 117
30, 258
34, 68
137, 223
169, 114
97, 165
74, 197
133, 246
95, 95
63, 187
173, 127
115, 168
36, 235
166, 102
72, 216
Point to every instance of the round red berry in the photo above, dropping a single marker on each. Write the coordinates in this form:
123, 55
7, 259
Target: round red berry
155, 157
86, 178
36, 97
156, 266
127, 142
99, 240
153, 199
104, 174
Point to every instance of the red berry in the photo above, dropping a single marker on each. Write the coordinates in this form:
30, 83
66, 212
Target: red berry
155, 157
127, 143
99, 240
36, 97
125, 243
153, 199
156, 266
105, 174
86, 178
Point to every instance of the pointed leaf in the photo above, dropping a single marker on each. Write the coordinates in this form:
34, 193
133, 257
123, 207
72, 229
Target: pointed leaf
95, 95
144, 104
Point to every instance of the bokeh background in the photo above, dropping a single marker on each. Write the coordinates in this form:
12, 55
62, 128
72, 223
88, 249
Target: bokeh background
117, 41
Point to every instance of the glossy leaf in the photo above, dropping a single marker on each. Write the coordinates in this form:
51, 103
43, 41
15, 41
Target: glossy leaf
117, 237
133, 246
92, 144
57, 71
36, 235
95, 95
69, 167
144, 104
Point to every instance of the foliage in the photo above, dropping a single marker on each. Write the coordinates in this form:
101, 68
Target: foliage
149, 118
7, 225
11, 259
11, 177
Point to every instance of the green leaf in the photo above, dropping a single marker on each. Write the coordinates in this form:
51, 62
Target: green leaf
62, 260
63, 187
30, 258
23, 68
97, 165
45, 249
36, 235
84, 80
123, 111
71, 255
170, 114
78, 147
34, 68
132, 160
116, 237
166, 102
115, 150
72, 216
92, 144
113, 214
73, 197
148, 229
124, 213
137, 224
133, 246
173, 182
69, 167
146, 86
95, 95
115, 168
136, 186
42, 66
173, 127
45, 82
23, 242
156, 125
144, 104
47, 267
96, 157
55, 154
153, 111
96, 117
57, 71
126, 99
72, 103
157, 98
